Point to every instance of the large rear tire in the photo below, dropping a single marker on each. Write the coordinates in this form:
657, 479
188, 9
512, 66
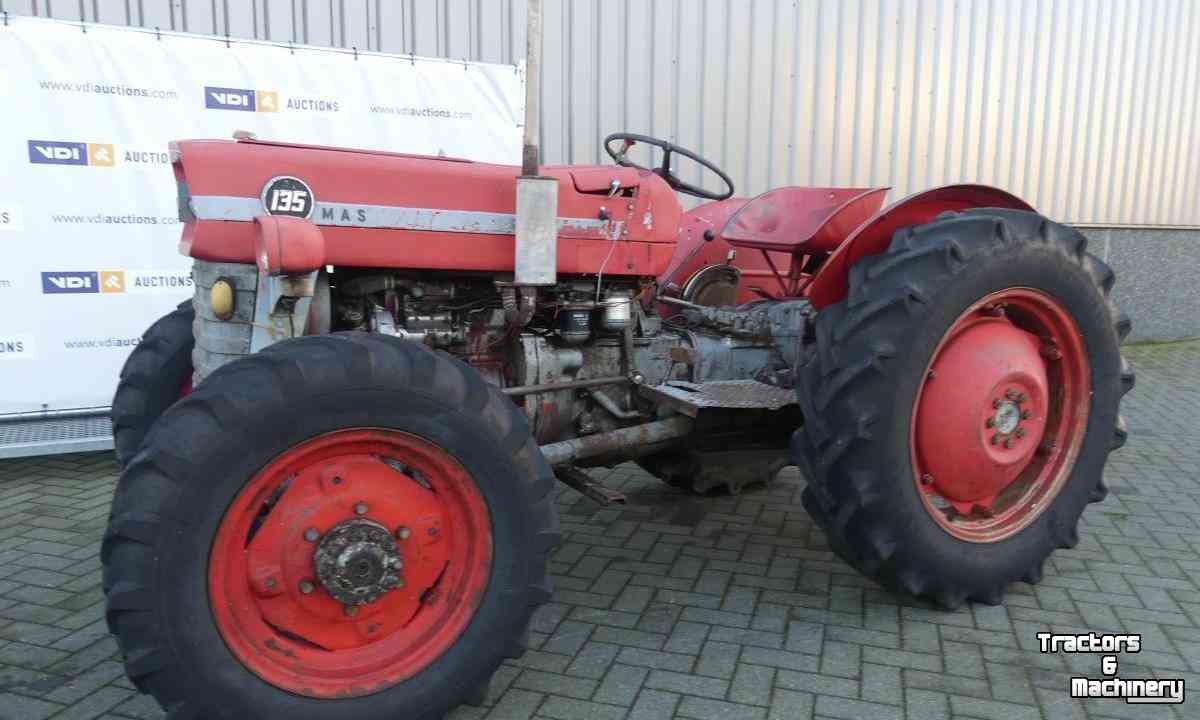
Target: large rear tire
155, 375
961, 403
346, 525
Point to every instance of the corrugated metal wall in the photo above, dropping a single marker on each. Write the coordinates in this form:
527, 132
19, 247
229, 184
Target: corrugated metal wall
1087, 108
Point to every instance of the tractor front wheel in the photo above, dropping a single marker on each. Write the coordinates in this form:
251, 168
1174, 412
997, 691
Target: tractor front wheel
345, 525
961, 402
156, 374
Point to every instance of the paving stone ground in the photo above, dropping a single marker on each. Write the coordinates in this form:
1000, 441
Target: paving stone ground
727, 608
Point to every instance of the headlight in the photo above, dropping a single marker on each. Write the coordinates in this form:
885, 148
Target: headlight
221, 299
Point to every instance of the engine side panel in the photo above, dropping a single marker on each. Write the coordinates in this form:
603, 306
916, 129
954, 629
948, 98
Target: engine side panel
405, 211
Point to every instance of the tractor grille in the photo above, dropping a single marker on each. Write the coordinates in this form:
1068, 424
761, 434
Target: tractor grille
221, 341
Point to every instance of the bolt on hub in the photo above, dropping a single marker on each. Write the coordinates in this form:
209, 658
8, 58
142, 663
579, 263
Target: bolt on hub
1006, 417
358, 562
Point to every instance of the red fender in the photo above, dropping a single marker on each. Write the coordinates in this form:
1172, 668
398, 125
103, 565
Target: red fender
831, 283
779, 222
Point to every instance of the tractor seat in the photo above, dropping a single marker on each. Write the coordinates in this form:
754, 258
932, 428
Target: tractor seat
801, 220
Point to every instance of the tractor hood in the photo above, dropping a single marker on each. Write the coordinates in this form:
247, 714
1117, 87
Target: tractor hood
386, 209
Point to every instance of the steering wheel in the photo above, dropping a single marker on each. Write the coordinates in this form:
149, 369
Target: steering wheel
664, 170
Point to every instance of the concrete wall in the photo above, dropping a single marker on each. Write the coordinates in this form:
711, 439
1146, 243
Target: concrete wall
1157, 275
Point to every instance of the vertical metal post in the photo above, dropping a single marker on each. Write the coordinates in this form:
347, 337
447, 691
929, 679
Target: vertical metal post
533, 87
536, 261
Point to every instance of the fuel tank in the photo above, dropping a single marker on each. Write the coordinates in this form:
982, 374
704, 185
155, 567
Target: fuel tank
381, 209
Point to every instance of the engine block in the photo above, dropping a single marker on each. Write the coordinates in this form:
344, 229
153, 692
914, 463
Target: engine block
573, 355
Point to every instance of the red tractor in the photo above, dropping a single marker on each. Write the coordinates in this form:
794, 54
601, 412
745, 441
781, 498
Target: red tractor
339, 456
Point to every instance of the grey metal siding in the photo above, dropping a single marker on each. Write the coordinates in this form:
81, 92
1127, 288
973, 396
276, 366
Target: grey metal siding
1086, 108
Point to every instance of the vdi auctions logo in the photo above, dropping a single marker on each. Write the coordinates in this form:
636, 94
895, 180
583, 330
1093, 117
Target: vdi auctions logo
59, 282
112, 281
63, 152
109, 282
223, 98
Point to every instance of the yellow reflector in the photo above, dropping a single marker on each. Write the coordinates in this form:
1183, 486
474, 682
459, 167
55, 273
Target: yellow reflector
221, 299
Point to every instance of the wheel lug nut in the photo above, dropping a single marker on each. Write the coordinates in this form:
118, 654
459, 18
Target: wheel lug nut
1026, 414
1008, 443
990, 422
996, 438
996, 403
403, 533
1021, 397
1020, 432
351, 610
307, 587
926, 479
1010, 394
311, 534
360, 508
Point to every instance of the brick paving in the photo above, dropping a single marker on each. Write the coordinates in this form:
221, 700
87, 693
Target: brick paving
728, 608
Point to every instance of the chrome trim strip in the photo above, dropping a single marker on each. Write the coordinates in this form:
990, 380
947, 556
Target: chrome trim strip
244, 209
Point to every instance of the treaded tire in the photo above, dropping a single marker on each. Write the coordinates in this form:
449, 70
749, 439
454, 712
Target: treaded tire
203, 450
152, 378
858, 387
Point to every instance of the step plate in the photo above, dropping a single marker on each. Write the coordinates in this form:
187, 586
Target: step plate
690, 398
53, 436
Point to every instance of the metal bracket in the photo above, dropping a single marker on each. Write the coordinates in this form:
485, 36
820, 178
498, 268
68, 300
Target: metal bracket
281, 308
575, 478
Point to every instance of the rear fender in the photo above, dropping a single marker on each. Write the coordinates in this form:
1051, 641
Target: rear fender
830, 284
774, 224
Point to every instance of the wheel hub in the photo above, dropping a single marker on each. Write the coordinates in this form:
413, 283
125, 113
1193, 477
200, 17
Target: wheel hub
358, 562
1000, 415
350, 562
1007, 417
982, 413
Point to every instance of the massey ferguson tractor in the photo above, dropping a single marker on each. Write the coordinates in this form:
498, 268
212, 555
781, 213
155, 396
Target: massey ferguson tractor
339, 456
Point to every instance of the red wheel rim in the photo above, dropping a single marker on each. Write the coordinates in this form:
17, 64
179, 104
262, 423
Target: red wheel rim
274, 607
1000, 415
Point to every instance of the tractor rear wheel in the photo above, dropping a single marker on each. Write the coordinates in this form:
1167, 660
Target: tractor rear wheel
156, 374
344, 525
961, 402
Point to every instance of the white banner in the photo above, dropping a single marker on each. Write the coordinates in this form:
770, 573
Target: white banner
88, 220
